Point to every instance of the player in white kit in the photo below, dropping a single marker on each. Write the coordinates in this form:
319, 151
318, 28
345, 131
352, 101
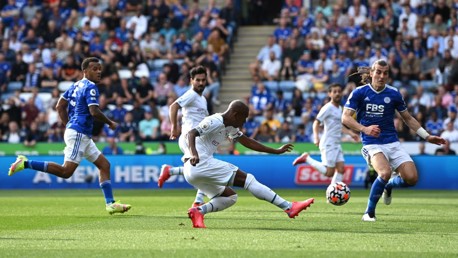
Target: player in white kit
194, 109
375, 105
332, 158
216, 177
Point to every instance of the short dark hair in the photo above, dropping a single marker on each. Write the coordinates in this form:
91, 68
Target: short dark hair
87, 61
333, 85
380, 62
197, 70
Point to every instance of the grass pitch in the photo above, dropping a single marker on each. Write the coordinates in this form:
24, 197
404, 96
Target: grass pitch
74, 223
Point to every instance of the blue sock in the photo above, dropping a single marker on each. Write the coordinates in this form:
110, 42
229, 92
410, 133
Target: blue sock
107, 191
36, 165
376, 192
397, 182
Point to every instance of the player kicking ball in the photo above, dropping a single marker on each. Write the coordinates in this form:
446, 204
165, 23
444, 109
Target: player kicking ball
216, 177
332, 159
79, 116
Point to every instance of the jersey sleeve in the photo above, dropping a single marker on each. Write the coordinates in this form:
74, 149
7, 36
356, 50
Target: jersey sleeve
185, 99
234, 133
322, 114
67, 94
209, 125
353, 100
401, 105
92, 95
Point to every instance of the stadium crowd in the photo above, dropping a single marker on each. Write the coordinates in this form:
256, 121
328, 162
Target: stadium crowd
314, 47
148, 48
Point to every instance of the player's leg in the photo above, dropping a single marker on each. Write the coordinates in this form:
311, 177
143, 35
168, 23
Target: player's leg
166, 172
100, 161
339, 173
305, 158
337, 159
262, 192
382, 166
407, 175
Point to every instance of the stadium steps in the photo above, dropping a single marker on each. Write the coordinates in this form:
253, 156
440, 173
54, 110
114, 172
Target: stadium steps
236, 82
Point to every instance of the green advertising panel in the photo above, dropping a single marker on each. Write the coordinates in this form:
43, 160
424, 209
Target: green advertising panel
152, 148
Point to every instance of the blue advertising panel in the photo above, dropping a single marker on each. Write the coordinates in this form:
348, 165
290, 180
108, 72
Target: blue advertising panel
142, 171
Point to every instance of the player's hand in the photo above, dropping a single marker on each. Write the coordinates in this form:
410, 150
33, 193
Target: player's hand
194, 160
316, 141
285, 148
355, 137
372, 130
113, 125
435, 139
174, 133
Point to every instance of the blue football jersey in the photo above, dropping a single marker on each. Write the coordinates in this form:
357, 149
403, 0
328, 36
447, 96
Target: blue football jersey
71, 100
85, 94
377, 108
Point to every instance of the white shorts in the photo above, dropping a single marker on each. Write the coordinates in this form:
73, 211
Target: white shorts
393, 152
79, 146
331, 154
210, 176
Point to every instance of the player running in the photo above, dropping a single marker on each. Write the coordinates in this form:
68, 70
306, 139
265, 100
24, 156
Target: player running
332, 158
375, 105
194, 110
79, 117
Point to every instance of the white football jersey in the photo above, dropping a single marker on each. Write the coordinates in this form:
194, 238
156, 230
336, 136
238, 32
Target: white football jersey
194, 110
212, 133
330, 117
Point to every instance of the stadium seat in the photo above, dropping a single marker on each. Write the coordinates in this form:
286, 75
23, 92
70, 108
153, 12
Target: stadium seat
46, 98
14, 86
142, 73
24, 96
128, 107
271, 85
64, 85
288, 95
124, 74
287, 85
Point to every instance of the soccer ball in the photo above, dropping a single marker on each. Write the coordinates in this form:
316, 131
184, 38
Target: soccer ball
338, 193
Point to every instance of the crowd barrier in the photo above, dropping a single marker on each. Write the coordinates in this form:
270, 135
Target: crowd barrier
142, 171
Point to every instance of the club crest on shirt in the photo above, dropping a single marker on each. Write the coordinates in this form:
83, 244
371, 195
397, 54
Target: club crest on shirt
387, 100
205, 126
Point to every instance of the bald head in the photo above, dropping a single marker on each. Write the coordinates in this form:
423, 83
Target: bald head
239, 107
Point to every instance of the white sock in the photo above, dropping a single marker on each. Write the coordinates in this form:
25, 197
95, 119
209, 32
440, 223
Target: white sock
199, 196
316, 164
176, 171
218, 203
263, 192
337, 178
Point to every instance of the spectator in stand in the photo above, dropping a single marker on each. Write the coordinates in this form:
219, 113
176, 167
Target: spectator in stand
280, 105
144, 91
452, 117
218, 44
14, 134
285, 134
428, 67
32, 79
149, 128
270, 68
112, 148
181, 47
181, 86
128, 129
445, 149
288, 70
269, 118
163, 89
410, 69
450, 133
265, 133
32, 135
138, 23
301, 135
434, 125
264, 54
260, 99
251, 126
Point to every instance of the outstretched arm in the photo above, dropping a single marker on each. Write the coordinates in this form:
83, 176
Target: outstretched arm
350, 122
257, 146
413, 124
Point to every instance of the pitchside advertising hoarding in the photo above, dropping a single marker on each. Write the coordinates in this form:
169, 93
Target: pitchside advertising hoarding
276, 171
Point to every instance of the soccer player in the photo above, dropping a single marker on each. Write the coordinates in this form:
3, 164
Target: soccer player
215, 177
332, 158
375, 105
194, 109
79, 117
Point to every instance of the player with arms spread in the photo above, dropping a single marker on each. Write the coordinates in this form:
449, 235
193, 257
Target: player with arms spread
332, 158
375, 105
194, 109
215, 177
79, 117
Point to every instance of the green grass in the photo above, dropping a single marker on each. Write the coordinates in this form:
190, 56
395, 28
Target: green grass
73, 223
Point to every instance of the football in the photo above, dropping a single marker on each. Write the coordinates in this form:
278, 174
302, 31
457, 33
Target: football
338, 193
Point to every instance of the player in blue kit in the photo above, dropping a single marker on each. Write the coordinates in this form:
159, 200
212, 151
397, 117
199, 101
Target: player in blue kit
78, 107
376, 104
